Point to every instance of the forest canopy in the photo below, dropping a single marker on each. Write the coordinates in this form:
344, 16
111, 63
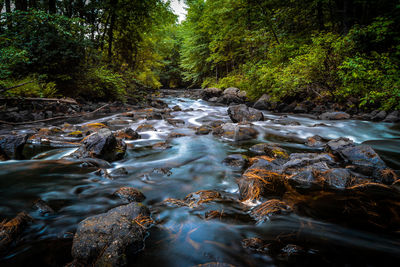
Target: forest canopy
336, 49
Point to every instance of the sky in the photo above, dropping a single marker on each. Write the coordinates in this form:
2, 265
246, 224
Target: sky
178, 8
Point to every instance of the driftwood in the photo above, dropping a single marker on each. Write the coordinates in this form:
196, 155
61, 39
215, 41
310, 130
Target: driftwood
59, 100
16, 86
56, 118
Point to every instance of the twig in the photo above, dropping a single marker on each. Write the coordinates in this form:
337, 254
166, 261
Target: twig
68, 101
55, 118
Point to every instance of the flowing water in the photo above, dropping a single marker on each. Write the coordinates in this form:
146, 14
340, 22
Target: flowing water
182, 237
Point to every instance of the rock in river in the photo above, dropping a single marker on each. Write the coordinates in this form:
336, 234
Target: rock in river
11, 146
107, 239
103, 145
241, 113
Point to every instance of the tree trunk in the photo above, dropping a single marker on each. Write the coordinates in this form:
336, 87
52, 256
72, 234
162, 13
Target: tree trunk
33, 4
52, 7
320, 16
8, 6
111, 29
21, 5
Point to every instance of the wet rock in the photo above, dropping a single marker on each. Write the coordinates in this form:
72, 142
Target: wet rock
263, 102
290, 251
176, 108
10, 230
127, 134
337, 145
300, 160
208, 93
316, 141
203, 130
155, 116
115, 173
11, 146
259, 182
43, 208
287, 122
237, 161
162, 171
381, 115
203, 196
157, 103
107, 239
235, 132
161, 145
93, 127
366, 160
130, 194
176, 122
102, 145
375, 191
334, 116
94, 162
175, 135
242, 113
337, 178
269, 149
268, 209
257, 245
117, 122
393, 117
145, 128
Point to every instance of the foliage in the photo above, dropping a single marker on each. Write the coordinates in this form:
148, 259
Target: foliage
31, 87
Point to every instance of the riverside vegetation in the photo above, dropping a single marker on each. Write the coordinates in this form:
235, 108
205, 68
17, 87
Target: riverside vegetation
288, 156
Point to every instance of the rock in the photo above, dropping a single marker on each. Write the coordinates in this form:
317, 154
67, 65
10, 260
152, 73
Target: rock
337, 178
301, 108
161, 146
393, 117
232, 95
257, 245
175, 135
11, 146
213, 99
287, 122
268, 209
203, 130
102, 145
203, 196
210, 93
176, 122
107, 239
130, 194
93, 126
237, 161
231, 91
381, 115
10, 230
176, 108
127, 134
258, 182
157, 103
301, 160
334, 116
366, 160
77, 134
115, 173
290, 251
336, 145
241, 113
263, 102
43, 208
315, 141
270, 149
145, 128
235, 132
155, 116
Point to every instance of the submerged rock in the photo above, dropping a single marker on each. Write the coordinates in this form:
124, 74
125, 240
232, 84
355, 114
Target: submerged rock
107, 239
238, 161
127, 134
10, 230
195, 199
269, 149
43, 208
235, 132
102, 145
130, 194
242, 113
268, 209
316, 141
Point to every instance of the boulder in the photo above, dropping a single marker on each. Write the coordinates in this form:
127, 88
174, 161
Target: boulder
145, 128
232, 95
235, 132
241, 113
336, 145
203, 130
11, 146
393, 117
315, 141
364, 158
269, 149
103, 145
107, 239
127, 134
339, 115
263, 102
208, 93
381, 115
130, 194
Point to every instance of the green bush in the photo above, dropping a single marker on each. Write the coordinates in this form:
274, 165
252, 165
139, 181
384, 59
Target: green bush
30, 86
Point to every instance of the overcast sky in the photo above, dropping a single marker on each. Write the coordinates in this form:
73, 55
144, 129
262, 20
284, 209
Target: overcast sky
178, 8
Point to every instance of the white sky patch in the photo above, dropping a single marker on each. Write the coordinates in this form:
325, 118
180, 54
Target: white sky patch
178, 6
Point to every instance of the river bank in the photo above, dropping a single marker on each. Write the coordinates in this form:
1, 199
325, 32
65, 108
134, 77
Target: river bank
266, 192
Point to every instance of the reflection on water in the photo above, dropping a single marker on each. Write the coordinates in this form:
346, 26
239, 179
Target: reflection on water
183, 237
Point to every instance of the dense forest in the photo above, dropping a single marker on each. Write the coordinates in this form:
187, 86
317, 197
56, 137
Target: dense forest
311, 49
